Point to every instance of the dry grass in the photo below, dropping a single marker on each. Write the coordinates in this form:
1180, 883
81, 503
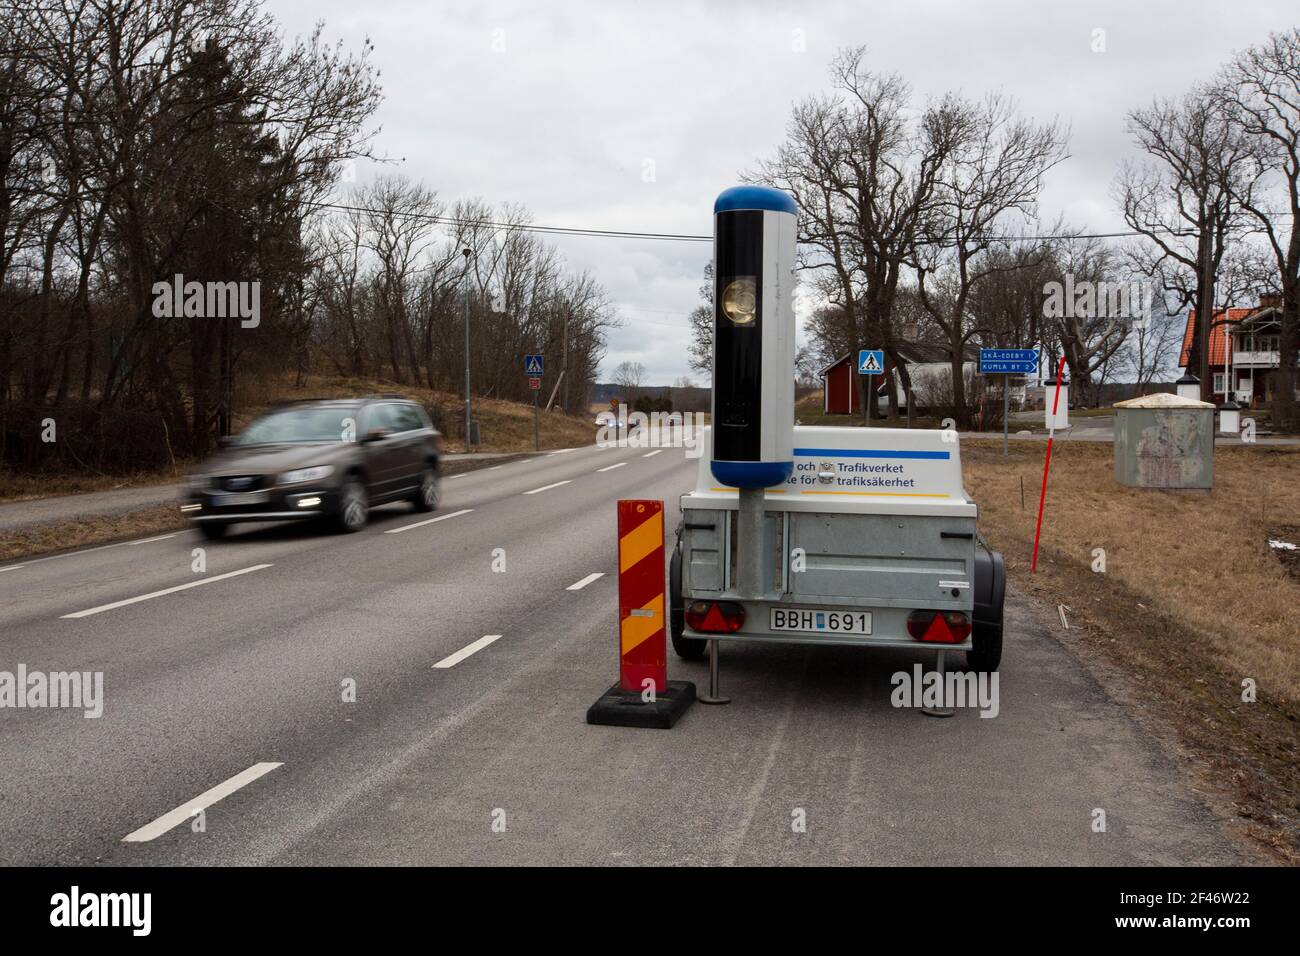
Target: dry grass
89, 531
1201, 558
1192, 602
28, 487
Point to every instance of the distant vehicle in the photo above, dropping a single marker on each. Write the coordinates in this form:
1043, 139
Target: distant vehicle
607, 420
329, 459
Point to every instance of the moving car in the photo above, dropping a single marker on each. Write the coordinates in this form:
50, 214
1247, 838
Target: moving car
327, 458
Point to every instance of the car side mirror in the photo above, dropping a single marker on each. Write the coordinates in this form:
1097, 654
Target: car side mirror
378, 434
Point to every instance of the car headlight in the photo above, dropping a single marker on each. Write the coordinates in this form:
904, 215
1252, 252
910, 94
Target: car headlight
740, 300
299, 475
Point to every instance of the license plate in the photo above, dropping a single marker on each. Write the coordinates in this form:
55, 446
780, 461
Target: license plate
819, 620
244, 498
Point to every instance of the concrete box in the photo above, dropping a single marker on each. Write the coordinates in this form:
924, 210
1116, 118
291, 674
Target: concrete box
1164, 441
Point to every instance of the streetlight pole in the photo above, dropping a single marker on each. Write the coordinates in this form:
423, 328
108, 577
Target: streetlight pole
466, 253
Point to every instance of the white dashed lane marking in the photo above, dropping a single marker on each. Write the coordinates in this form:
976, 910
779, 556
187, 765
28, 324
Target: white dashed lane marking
612, 467
421, 524
555, 484
453, 659
173, 818
165, 591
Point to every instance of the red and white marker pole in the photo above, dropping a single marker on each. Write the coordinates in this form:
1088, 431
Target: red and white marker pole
1051, 432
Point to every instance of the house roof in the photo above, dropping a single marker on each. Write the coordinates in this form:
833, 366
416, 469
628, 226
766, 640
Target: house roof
1217, 336
839, 361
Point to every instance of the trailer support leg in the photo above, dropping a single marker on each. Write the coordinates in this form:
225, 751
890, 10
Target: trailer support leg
942, 710
713, 696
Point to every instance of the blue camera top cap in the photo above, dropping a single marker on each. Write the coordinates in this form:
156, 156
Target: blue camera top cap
754, 197
751, 474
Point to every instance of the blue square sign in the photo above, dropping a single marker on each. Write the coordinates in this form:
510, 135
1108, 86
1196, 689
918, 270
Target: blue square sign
871, 362
533, 365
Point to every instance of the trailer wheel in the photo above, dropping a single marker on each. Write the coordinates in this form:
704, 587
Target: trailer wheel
990, 598
986, 653
687, 648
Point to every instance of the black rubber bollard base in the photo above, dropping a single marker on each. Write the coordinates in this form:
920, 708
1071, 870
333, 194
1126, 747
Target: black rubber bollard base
624, 708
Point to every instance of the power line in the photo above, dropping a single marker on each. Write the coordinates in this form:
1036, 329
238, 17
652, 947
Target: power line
687, 237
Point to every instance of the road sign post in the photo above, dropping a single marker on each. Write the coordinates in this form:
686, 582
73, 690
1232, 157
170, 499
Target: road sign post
643, 696
1007, 362
534, 367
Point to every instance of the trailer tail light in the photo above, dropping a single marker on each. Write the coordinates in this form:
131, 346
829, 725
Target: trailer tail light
717, 617
938, 627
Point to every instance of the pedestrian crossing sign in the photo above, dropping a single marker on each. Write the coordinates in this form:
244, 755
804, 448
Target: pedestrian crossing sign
871, 362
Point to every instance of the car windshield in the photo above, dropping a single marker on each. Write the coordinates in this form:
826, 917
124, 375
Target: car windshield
301, 425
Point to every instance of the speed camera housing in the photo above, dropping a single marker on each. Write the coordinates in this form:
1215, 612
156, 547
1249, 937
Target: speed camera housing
753, 337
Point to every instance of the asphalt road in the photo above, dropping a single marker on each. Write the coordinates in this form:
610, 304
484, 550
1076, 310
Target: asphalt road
487, 759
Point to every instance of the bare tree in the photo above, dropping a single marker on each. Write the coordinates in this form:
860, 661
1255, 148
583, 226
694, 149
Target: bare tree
988, 183
1260, 90
863, 165
1186, 200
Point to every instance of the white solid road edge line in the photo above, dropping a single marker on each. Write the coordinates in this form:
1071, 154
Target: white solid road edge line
161, 537
579, 585
549, 487
651, 454
154, 594
612, 467
101, 547
421, 524
454, 659
151, 831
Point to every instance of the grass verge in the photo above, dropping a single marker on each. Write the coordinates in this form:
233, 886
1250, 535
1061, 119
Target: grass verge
1192, 602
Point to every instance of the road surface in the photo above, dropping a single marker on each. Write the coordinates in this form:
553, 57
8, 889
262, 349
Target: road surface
229, 696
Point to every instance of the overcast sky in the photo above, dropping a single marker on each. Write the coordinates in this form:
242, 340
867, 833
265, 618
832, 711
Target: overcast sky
562, 106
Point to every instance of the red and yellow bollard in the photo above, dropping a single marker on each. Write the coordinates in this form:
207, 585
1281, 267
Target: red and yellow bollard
643, 696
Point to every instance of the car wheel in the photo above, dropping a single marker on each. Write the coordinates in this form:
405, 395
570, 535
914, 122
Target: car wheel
354, 506
213, 531
429, 492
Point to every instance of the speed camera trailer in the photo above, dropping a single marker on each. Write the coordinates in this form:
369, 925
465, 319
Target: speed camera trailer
857, 536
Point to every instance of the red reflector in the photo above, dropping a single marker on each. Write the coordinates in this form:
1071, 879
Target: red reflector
719, 617
934, 627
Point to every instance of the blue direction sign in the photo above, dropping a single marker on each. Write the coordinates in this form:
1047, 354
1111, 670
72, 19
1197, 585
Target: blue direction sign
1008, 361
533, 365
871, 362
